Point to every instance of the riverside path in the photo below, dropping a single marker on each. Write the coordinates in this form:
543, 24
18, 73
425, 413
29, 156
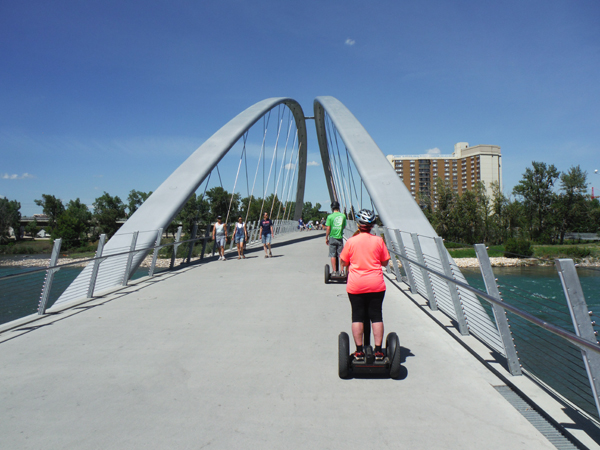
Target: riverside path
242, 354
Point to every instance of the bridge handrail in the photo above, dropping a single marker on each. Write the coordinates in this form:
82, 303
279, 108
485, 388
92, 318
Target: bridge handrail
583, 377
280, 227
574, 339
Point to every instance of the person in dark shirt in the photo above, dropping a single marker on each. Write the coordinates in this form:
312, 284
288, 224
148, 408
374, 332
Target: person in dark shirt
266, 232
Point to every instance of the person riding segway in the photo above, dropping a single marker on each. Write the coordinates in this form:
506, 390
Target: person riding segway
334, 238
366, 254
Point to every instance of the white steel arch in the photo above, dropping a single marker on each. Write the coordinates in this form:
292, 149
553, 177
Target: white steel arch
169, 198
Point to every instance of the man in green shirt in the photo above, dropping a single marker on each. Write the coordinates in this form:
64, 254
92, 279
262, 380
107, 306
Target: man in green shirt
334, 238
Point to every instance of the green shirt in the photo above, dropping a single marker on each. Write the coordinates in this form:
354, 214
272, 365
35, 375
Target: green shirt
337, 222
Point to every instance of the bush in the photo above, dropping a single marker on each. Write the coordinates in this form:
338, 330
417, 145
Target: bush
519, 248
578, 252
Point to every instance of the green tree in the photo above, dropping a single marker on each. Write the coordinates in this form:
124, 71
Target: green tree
107, 210
572, 204
310, 212
220, 200
536, 191
135, 199
445, 201
52, 207
10, 217
32, 228
73, 225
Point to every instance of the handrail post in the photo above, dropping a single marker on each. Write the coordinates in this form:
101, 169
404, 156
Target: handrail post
130, 258
96, 266
155, 255
458, 309
499, 313
191, 244
581, 321
176, 246
424, 273
390, 246
49, 277
206, 234
405, 263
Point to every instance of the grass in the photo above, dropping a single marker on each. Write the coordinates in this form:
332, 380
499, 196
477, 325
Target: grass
26, 247
573, 251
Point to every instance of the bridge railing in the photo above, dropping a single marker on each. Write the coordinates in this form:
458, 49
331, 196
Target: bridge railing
534, 338
25, 293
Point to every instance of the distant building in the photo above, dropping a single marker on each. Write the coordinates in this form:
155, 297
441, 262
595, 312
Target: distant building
463, 169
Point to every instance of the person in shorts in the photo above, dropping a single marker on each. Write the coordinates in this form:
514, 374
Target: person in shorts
219, 236
334, 236
366, 254
240, 237
266, 232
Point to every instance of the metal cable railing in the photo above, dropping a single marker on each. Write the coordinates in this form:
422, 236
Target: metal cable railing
24, 292
552, 340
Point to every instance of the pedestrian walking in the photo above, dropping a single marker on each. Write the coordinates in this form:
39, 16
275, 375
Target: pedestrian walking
266, 232
240, 236
219, 236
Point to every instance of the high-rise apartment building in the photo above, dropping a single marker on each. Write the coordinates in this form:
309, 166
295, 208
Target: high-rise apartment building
463, 169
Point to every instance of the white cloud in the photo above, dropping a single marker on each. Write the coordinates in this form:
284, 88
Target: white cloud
350, 42
312, 163
14, 176
434, 151
290, 166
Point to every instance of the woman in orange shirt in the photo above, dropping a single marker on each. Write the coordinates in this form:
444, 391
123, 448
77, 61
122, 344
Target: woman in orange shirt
366, 255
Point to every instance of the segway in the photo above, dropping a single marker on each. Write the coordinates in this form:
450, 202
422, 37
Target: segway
390, 365
329, 277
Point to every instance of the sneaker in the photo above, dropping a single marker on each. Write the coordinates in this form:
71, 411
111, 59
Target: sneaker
220, 258
359, 356
223, 258
266, 256
379, 356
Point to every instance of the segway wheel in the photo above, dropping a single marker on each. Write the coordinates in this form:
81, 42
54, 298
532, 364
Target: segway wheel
327, 274
392, 344
343, 355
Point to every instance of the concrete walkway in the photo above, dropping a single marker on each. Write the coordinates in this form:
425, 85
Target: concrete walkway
243, 355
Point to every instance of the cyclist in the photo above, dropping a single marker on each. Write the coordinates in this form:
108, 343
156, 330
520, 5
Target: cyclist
366, 255
334, 237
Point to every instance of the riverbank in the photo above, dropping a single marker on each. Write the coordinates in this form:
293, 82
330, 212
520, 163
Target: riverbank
524, 262
25, 261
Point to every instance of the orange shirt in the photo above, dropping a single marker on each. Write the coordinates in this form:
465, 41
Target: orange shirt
365, 253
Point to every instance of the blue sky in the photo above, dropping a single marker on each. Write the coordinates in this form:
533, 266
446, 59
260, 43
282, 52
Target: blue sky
112, 96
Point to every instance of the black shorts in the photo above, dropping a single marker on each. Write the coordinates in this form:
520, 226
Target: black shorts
367, 306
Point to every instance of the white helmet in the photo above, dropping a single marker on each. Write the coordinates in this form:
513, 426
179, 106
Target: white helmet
365, 217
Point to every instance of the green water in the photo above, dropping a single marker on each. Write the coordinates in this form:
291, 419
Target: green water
20, 296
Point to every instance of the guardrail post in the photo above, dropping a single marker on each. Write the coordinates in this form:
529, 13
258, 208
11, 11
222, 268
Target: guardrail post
499, 313
206, 234
155, 255
390, 246
254, 230
49, 277
176, 246
191, 244
581, 321
424, 273
130, 258
405, 263
458, 309
96, 266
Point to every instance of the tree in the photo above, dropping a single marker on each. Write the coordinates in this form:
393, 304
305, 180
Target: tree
10, 217
52, 207
310, 212
73, 225
572, 203
107, 210
220, 200
32, 228
536, 190
135, 199
443, 214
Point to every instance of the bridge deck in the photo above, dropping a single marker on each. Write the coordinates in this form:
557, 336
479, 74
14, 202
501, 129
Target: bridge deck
243, 354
